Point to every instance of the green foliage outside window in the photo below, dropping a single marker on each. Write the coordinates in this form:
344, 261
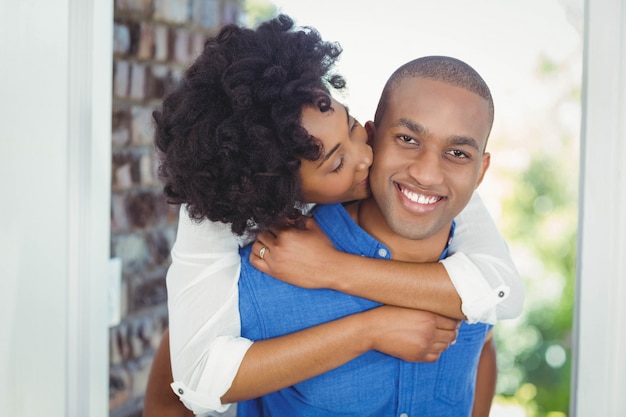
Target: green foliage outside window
540, 220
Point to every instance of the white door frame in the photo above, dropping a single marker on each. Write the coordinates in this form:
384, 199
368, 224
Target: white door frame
599, 362
89, 183
55, 179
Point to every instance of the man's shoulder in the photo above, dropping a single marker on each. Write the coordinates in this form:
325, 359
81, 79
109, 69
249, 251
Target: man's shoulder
246, 265
335, 220
339, 225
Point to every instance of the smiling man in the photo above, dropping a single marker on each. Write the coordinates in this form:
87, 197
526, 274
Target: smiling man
430, 134
429, 138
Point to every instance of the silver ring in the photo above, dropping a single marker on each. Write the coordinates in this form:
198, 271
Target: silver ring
262, 252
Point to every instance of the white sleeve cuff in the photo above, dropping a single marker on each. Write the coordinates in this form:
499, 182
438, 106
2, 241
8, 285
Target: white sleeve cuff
225, 357
200, 405
478, 299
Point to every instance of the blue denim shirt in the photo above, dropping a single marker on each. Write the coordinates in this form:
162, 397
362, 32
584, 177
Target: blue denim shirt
373, 384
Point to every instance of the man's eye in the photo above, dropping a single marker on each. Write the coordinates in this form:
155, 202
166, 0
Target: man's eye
458, 154
407, 139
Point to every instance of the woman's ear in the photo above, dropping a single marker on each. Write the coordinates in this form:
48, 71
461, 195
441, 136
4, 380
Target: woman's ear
370, 127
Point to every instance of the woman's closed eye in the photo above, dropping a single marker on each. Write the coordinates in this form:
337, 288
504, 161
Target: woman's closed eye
339, 166
355, 123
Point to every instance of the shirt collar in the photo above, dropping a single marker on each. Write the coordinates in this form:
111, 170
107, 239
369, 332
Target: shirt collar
349, 237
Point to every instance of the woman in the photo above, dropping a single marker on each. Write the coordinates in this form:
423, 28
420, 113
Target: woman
250, 136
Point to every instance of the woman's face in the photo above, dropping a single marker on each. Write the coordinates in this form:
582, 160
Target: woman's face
341, 174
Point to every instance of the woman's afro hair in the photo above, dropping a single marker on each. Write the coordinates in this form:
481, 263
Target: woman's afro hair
229, 137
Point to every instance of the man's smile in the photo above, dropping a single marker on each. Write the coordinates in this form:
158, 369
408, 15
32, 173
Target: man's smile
419, 198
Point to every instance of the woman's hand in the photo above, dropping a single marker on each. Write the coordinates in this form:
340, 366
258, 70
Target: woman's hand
301, 257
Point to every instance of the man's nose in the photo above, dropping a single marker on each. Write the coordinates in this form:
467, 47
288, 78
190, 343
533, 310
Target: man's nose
427, 168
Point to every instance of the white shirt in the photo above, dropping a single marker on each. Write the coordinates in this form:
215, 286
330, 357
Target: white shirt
204, 323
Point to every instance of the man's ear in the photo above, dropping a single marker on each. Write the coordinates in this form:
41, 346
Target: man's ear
370, 127
483, 168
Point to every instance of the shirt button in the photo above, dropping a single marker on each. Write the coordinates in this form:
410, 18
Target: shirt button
404, 415
382, 253
180, 391
501, 294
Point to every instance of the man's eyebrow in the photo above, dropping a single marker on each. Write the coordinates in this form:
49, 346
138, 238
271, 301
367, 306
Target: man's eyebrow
458, 140
463, 140
411, 125
329, 154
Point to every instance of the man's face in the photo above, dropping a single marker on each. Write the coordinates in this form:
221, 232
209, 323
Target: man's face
428, 155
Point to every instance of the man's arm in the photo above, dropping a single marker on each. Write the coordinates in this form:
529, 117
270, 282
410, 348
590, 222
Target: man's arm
485, 378
160, 400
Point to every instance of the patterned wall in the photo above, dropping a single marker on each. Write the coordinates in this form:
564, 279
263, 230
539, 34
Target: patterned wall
154, 42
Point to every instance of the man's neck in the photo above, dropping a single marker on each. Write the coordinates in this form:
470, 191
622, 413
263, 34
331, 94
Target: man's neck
367, 215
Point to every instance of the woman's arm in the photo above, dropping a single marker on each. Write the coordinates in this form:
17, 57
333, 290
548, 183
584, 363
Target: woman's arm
385, 281
206, 352
481, 268
272, 364
477, 282
203, 304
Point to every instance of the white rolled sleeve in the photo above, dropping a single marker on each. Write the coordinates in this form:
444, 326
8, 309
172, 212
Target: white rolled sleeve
481, 268
203, 301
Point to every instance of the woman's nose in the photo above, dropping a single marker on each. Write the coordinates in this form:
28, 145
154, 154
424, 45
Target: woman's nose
365, 161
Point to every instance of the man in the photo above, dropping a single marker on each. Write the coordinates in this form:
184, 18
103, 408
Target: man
429, 137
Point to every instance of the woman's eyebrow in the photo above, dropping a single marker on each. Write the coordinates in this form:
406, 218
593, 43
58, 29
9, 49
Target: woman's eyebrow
334, 149
329, 154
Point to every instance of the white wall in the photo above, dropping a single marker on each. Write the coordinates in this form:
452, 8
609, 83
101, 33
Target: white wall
599, 376
55, 105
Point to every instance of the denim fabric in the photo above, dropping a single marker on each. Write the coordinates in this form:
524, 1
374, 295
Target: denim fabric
374, 384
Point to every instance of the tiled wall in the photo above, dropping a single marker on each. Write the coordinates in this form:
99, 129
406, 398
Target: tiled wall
154, 41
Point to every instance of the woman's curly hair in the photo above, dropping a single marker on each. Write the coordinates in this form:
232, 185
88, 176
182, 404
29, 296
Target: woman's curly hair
229, 137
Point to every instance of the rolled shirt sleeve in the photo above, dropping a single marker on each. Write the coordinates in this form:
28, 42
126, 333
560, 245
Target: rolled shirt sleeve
203, 301
481, 268
222, 362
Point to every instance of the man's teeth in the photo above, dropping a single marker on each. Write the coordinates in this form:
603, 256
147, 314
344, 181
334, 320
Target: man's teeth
420, 198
